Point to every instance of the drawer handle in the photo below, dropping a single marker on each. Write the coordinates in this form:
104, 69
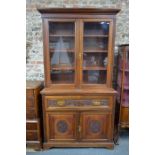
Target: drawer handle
96, 102
60, 102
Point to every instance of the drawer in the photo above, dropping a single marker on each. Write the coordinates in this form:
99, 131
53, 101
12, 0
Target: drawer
29, 92
32, 136
32, 125
68, 102
30, 101
31, 113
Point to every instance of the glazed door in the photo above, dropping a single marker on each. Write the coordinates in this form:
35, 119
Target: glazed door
95, 126
62, 126
96, 51
60, 52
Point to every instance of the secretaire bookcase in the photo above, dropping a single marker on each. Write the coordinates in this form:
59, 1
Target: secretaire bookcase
78, 99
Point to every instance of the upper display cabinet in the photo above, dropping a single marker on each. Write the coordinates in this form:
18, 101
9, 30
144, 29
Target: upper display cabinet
78, 47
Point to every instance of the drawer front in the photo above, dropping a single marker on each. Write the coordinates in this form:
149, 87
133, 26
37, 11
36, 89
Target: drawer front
31, 113
98, 101
32, 125
32, 136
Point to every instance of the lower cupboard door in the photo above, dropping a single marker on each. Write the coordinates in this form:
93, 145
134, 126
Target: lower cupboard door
61, 126
96, 126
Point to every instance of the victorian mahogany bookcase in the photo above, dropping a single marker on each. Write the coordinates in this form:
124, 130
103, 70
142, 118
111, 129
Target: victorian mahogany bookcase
78, 98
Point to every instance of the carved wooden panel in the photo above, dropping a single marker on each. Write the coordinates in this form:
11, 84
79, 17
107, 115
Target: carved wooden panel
79, 102
62, 126
95, 125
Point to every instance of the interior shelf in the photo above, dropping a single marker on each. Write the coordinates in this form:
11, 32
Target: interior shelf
61, 50
62, 68
61, 35
94, 68
125, 105
124, 87
95, 35
95, 50
126, 70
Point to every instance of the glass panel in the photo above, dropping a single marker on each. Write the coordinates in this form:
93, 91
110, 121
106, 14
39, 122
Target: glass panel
94, 76
62, 76
95, 54
62, 52
95, 60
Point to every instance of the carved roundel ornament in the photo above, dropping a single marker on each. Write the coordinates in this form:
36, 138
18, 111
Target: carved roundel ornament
95, 126
62, 126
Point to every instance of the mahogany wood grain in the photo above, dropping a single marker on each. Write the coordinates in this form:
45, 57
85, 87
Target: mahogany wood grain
70, 110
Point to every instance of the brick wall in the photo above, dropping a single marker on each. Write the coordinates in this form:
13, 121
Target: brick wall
34, 45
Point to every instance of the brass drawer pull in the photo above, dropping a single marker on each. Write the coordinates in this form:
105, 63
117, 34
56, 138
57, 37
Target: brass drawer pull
96, 102
60, 102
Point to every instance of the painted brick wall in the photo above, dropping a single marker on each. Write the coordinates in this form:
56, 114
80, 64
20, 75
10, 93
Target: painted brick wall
34, 45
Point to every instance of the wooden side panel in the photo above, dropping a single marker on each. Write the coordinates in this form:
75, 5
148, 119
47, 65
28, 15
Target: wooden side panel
61, 126
124, 120
30, 101
30, 98
29, 92
31, 113
95, 126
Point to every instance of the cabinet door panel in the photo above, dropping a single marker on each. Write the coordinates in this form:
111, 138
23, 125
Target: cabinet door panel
61, 126
95, 126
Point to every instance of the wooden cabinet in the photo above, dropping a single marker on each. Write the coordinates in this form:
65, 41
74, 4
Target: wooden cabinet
123, 85
33, 115
78, 99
